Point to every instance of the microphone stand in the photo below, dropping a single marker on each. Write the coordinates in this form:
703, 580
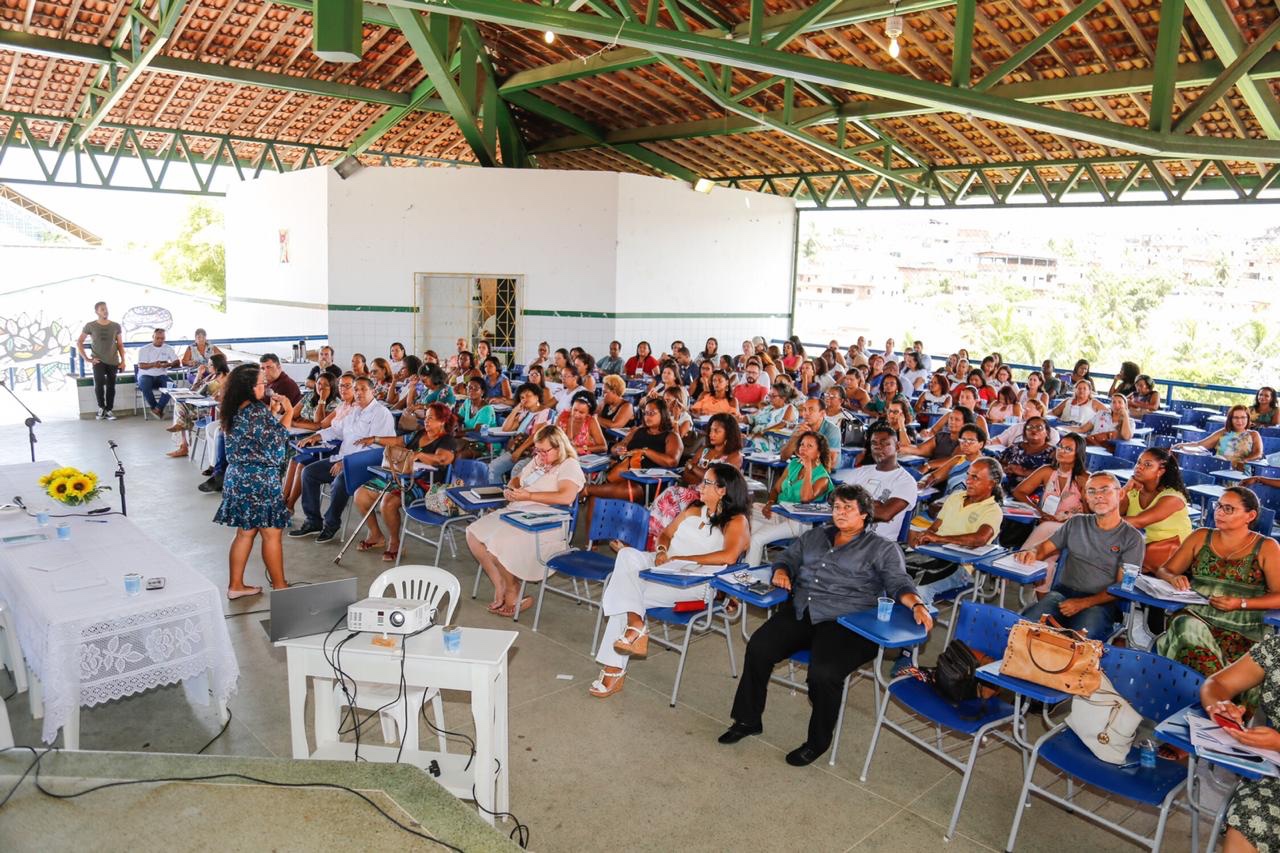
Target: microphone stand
30, 422
119, 475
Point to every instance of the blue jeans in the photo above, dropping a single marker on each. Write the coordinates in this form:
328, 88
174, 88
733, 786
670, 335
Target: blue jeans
500, 467
220, 455
314, 476
1097, 622
956, 580
149, 385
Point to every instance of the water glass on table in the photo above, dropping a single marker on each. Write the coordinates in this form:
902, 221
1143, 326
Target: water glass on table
1130, 576
884, 608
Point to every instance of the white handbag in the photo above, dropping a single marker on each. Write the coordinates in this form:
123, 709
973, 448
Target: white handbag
1105, 722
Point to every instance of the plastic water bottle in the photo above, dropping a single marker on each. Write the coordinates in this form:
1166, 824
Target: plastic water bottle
1147, 754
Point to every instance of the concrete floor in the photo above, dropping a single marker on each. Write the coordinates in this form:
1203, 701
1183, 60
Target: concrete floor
586, 774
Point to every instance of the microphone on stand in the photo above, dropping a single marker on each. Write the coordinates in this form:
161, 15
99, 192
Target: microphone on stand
119, 474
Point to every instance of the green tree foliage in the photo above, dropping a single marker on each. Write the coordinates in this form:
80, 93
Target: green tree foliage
195, 259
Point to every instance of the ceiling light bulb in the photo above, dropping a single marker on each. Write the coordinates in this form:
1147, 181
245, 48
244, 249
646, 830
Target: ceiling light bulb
894, 50
549, 37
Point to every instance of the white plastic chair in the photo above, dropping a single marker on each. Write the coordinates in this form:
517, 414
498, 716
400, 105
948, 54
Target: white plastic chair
11, 651
420, 583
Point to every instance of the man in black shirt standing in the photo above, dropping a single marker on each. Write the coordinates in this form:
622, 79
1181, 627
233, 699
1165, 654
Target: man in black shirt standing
831, 570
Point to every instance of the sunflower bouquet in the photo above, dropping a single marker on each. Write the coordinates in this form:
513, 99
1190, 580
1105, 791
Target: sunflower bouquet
71, 486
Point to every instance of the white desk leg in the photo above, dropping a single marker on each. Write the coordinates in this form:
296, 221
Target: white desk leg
6, 734
35, 695
325, 713
297, 704
71, 730
502, 737
482, 712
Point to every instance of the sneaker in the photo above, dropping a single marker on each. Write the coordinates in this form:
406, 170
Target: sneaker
901, 665
307, 529
327, 535
213, 484
110, 415
102, 415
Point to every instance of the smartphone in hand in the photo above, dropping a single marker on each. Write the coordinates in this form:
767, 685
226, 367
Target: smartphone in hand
1227, 723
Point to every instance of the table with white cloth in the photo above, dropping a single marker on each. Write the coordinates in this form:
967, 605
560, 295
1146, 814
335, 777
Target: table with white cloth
298, 371
84, 639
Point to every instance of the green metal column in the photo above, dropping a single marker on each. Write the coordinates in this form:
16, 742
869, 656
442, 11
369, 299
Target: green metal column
337, 33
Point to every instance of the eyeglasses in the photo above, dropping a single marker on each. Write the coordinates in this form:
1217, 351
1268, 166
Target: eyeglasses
1095, 493
543, 451
968, 440
1036, 428
712, 483
1228, 509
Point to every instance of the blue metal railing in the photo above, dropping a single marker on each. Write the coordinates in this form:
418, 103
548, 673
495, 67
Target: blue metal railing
1170, 384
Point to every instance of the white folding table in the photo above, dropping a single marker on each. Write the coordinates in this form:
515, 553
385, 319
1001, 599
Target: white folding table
478, 667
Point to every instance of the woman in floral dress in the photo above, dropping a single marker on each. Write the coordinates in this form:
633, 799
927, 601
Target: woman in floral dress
252, 500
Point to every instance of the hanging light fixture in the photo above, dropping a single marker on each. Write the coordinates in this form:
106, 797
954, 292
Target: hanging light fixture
549, 37
893, 30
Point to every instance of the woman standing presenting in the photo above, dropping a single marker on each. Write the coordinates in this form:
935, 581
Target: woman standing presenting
252, 500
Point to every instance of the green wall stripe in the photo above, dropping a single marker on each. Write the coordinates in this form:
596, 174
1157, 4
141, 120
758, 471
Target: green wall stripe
321, 306
393, 309
653, 315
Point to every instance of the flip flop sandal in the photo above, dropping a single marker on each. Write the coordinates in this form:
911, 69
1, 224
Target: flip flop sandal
389, 556
369, 545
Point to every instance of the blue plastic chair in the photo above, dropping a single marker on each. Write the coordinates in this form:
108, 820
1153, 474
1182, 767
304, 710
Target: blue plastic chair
355, 473
472, 472
1101, 461
1202, 462
983, 628
1270, 444
694, 623
1156, 687
611, 519
572, 509
1129, 452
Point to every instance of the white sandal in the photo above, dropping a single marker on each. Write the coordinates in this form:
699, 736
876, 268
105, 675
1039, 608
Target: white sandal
636, 647
600, 690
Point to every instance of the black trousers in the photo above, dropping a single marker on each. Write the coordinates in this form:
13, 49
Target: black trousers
834, 653
104, 384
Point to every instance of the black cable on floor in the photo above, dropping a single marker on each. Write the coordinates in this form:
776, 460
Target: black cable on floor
35, 765
220, 733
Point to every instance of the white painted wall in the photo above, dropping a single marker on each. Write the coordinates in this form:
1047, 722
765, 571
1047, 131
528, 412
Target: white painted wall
720, 253
581, 242
257, 281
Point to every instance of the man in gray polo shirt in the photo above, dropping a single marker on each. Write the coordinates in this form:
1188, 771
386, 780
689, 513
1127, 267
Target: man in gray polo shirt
831, 570
1097, 547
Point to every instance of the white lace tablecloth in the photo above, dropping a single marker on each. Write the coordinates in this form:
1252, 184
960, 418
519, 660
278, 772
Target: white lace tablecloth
94, 643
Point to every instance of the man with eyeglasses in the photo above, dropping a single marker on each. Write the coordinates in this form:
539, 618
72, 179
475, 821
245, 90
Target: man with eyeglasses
751, 391
1097, 546
831, 570
371, 419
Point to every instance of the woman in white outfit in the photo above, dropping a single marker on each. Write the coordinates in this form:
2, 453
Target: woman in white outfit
713, 531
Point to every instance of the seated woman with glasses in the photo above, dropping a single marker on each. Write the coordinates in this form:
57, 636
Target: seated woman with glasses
890, 392
778, 413
944, 442
948, 475
536, 378
713, 531
509, 555
1238, 570
1027, 456
1235, 442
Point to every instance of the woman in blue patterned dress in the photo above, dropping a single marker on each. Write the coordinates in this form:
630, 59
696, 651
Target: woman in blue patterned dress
252, 499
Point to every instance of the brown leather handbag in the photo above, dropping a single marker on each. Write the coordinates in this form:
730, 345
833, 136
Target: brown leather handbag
1047, 654
399, 458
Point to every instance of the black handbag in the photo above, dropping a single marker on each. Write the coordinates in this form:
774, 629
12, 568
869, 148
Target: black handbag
955, 674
